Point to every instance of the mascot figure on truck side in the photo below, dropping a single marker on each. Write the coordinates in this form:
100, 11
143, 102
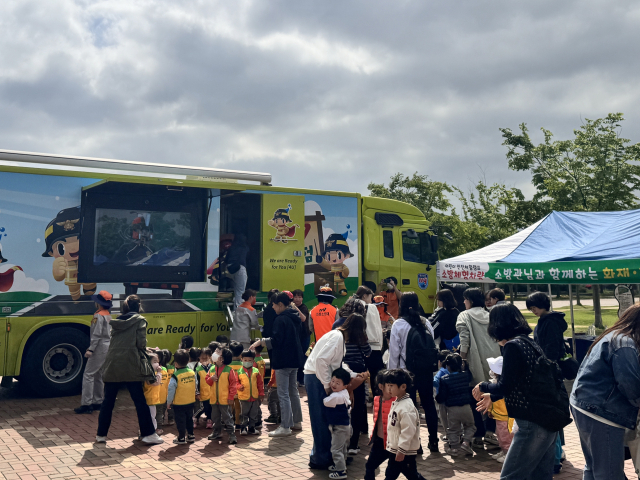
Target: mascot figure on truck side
62, 238
336, 252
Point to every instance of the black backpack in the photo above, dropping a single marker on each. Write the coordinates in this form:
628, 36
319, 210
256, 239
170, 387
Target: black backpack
422, 355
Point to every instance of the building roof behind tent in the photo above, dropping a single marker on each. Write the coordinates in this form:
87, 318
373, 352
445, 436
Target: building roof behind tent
581, 236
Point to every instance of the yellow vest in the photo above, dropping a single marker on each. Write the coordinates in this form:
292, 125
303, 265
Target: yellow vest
152, 393
164, 387
186, 388
259, 361
250, 384
203, 386
499, 411
219, 391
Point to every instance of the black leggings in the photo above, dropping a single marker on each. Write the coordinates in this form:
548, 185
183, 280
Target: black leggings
137, 395
358, 415
424, 387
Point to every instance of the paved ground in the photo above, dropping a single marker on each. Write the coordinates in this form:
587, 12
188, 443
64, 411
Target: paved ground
43, 439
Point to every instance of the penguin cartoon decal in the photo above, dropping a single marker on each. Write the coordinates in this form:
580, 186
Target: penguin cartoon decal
284, 232
336, 252
62, 237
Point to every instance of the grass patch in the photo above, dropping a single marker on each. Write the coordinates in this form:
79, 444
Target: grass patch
583, 317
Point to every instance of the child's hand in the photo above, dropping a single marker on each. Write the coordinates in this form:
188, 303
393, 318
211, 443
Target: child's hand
241, 388
169, 406
260, 399
399, 457
198, 397
214, 378
88, 354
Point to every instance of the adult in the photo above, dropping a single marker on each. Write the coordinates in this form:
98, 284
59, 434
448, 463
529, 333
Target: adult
326, 356
305, 331
353, 305
245, 319
444, 320
475, 347
269, 315
324, 314
388, 289
127, 365
549, 335
532, 451
237, 266
92, 384
496, 297
403, 346
606, 396
374, 333
286, 356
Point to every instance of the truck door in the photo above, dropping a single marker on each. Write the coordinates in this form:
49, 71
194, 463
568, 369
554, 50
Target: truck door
282, 242
417, 275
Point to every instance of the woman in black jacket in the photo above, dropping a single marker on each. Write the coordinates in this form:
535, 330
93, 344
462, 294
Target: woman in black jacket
286, 356
444, 319
532, 452
237, 266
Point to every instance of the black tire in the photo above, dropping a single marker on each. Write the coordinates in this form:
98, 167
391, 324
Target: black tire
54, 363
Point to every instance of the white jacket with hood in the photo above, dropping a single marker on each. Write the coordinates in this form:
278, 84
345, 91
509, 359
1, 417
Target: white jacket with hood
475, 341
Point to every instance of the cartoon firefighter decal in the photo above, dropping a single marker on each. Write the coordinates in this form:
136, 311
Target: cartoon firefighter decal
336, 252
284, 232
62, 237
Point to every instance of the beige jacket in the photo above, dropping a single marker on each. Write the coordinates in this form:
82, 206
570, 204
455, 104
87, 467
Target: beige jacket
403, 427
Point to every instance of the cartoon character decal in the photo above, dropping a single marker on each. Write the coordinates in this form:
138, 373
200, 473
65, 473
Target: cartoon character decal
336, 252
7, 271
280, 221
62, 237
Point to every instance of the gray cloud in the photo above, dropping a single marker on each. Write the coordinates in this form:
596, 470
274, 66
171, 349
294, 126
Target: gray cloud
328, 95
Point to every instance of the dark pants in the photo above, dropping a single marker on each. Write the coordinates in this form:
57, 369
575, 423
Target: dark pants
358, 415
424, 387
145, 421
407, 467
184, 419
205, 407
483, 425
321, 450
377, 456
374, 365
305, 342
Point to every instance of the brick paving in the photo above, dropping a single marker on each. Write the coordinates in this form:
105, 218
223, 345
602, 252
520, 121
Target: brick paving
43, 439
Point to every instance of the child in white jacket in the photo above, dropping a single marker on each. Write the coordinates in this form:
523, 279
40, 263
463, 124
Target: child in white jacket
403, 428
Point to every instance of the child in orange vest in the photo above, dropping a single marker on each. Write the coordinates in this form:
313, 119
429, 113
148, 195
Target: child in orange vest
223, 382
381, 408
250, 394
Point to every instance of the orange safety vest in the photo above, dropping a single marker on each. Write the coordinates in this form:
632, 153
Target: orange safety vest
323, 316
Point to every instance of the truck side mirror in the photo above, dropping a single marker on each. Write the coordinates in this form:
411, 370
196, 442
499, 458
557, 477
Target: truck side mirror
434, 244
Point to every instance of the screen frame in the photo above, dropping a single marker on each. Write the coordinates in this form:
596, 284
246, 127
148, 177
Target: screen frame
152, 198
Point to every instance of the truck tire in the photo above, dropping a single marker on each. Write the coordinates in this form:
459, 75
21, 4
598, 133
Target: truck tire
54, 363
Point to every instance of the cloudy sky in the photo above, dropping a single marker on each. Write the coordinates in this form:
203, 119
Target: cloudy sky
325, 94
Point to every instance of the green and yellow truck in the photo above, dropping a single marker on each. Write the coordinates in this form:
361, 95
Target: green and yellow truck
71, 226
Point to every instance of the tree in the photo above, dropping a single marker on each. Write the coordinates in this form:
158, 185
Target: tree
591, 172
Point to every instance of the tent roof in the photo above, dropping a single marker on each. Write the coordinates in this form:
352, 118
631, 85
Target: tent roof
567, 237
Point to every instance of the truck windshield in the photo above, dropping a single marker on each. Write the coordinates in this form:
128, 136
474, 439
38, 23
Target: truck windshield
416, 249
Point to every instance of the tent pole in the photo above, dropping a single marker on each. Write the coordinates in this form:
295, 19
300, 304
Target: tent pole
550, 296
573, 325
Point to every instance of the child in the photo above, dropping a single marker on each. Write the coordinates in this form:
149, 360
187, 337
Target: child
153, 391
186, 343
194, 357
182, 397
273, 403
236, 349
250, 394
337, 412
245, 319
498, 412
259, 362
203, 389
381, 408
224, 381
92, 384
170, 371
222, 340
454, 393
442, 371
385, 319
403, 427
161, 407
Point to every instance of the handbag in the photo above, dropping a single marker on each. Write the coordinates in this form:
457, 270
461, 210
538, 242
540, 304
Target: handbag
569, 367
146, 369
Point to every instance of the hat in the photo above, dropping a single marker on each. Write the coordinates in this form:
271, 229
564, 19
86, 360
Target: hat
283, 213
379, 300
103, 298
66, 224
289, 294
495, 365
326, 292
337, 243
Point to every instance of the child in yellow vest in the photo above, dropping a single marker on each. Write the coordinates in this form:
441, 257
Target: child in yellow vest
498, 412
250, 394
202, 388
259, 362
273, 403
182, 397
153, 391
167, 371
223, 382
236, 349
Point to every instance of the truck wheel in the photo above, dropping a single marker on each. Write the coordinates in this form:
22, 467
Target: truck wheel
54, 362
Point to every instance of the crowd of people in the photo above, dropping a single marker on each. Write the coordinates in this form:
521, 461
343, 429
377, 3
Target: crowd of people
473, 369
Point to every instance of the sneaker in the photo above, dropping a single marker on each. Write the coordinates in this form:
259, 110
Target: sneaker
159, 431
232, 439
477, 443
271, 419
564, 456
209, 423
215, 436
557, 469
491, 439
101, 439
466, 448
353, 451
153, 439
253, 431
499, 457
180, 441
244, 431
96, 406
316, 466
191, 438
280, 432
83, 409
454, 452
338, 475
297, 426
433, 446
195, 423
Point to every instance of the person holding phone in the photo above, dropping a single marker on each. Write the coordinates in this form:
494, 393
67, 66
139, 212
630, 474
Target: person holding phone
388, 289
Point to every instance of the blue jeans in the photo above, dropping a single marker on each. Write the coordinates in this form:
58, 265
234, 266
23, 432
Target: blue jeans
321, 450
603, 448
239, 284
531, 454
290, 409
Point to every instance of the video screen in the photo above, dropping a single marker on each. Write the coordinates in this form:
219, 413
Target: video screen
141, 238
